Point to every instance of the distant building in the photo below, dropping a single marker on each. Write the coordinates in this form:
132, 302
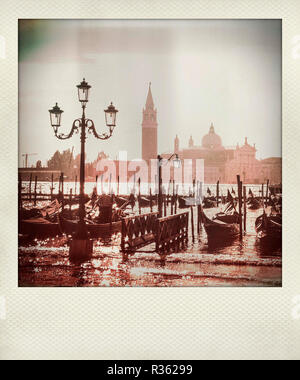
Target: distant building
245, 164
211, 151
220, 163
224, 164
271, 168
42, 174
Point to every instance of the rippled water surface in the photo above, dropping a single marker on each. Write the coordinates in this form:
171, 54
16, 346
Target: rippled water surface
242, 263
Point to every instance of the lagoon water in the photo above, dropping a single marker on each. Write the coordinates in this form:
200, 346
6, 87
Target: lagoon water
244, 263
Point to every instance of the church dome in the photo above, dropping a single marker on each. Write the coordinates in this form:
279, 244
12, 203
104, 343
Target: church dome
211, 140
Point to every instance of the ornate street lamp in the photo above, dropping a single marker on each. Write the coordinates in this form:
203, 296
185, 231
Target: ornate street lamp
110, 116
177, 162
80, 243
55, 117
177, 165
83, 92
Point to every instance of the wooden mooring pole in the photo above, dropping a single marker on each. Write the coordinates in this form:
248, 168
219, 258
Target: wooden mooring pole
20, 195
218, 192
173, 198
245, 209
35, 189
62, 192
160, 201
192, 221
62, 184
169, 192
52, 186
30, 181
176, 199
59, 184
200, 191
240, 204
199, 218
267, 194
139, 195
70, 205
165, 204
151, 200
194, 188
96, 184
75, 190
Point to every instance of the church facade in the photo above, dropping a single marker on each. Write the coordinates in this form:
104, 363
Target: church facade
223, 164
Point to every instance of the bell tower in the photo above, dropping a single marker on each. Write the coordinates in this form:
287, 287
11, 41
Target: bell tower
149, 129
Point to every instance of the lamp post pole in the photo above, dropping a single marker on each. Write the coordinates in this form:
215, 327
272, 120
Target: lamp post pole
80, 244
177, 164
82, 232
159, 203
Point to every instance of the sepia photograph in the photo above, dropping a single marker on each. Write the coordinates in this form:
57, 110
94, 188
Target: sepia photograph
150, 153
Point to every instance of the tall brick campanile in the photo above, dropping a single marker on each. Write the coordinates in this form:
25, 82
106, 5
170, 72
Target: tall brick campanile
149, 129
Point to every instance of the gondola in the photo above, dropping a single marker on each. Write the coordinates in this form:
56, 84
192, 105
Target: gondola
254, 204
209, 203
186, 202
96, 231
218, 231
234, 218
183, 202
144, 202
48, 212
34, 212
269, 228
39, 228
120, 201
40, 222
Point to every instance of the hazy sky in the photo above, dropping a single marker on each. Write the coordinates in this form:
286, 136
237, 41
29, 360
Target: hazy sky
223, 71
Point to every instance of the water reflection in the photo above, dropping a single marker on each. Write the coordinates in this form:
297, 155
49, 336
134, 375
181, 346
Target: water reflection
268, 248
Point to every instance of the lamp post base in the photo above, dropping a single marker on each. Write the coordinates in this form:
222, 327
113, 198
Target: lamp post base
80, 249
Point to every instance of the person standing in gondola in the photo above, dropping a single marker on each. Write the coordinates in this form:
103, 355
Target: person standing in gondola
94, 196
105, 204
132, 200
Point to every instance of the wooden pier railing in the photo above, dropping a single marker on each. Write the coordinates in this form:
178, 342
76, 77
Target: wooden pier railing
138, 231
171, 232
167, 233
